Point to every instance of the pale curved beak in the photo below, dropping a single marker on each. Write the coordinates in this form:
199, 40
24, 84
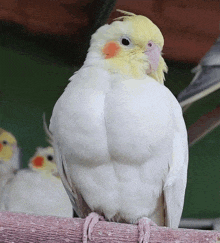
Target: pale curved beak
154, 58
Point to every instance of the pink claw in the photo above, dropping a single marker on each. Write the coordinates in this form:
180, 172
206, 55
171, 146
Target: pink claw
144, 225
91, 220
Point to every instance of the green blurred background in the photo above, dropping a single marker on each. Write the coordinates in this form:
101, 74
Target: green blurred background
34, 75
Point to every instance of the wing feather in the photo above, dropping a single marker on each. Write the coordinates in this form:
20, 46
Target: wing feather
175, 184
62, 168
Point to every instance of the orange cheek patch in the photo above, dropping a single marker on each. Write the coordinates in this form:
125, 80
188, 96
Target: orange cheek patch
38, 161
111, 49
1, 147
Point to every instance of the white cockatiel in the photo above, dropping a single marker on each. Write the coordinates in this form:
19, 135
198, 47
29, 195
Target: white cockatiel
119, 136
37, 190
9, 158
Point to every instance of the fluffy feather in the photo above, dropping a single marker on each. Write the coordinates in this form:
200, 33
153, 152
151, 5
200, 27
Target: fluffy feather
37, 190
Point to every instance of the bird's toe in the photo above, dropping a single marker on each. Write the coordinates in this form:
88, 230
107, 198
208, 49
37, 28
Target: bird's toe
90, 221
144, 225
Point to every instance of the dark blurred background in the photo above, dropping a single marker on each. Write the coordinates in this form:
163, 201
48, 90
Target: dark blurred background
43, 42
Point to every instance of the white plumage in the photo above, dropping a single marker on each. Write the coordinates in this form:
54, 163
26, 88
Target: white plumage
122, 145
119, 136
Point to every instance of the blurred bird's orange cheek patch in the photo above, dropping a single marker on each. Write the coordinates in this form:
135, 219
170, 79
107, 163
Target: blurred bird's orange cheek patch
1, 147
38, 161
111, 49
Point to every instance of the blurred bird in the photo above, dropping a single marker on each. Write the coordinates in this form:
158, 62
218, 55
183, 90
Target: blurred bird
119, 136
37, 190
43, 161
207, 77
9, 158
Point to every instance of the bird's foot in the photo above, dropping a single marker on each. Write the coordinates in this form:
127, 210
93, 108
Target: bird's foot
91, 220
144, 225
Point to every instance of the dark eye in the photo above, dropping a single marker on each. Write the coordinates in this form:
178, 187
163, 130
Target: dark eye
4, 142
125, 41
149, 44
50, 157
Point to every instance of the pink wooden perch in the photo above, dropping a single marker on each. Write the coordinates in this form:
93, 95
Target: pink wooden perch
23, 228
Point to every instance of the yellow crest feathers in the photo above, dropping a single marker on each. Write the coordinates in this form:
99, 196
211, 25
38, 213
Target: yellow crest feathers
124, 12
143, 27
1, 131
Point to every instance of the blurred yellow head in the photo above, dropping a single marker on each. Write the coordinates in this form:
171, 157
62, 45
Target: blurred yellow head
132, 46
43, 161
8, 144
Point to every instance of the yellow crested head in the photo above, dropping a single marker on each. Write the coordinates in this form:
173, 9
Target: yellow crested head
8, 144
43, 161
131, 47
143, 29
